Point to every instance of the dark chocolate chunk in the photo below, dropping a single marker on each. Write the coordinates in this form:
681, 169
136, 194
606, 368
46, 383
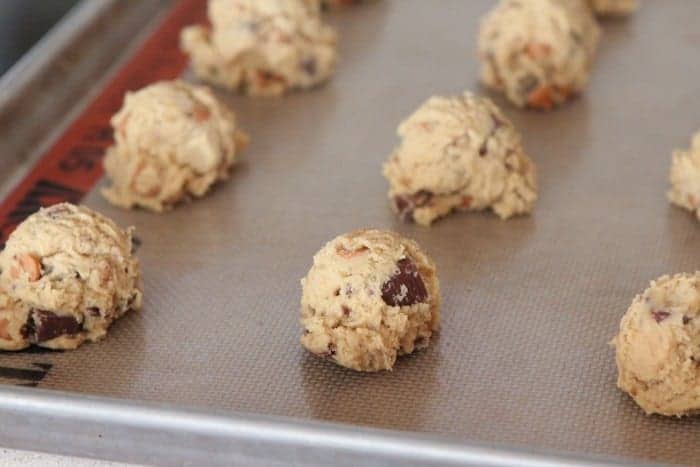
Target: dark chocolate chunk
346, 310
48, 325
686, 319
660, 315
93, 311
28, 329
405, 287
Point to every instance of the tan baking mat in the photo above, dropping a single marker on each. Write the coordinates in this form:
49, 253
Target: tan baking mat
529, 304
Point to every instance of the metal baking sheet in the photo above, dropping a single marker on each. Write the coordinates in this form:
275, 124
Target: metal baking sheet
522, 361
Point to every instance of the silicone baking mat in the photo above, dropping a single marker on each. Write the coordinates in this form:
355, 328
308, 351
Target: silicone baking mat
529, 304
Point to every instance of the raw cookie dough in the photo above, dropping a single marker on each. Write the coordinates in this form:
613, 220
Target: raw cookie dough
262, 47
173, 142
658, 347
459, 154
67, 274
613, 7
14, 316
370, 296
538, 52
685, 177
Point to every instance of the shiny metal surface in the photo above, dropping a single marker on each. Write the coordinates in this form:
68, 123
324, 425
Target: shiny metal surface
529, 304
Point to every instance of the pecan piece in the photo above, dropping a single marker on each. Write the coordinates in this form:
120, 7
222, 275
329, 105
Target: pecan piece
538, 50
4, 333
541, 98
31, 265
347, 254
201, 113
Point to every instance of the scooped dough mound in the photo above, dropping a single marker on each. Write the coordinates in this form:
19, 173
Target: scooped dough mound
538, 52
685, 177
658, 347
459, 154
67, 274
262, 47
369, 297
173, 142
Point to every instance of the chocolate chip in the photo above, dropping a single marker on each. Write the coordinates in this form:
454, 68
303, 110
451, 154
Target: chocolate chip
337, 292
406, 204
135, 244
309, 66
404, 207
46, 268
346, 310
405, 287
527, 84
28, 329
48, 325
331, 350
93, 311
660, 315
686, 319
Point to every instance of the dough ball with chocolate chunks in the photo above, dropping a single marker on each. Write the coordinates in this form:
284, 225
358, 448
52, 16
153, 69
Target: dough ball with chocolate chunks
613, 7
173, 142
685, 177
369, 297
67, 274
538, 52
658, 347
459, 154
262, 47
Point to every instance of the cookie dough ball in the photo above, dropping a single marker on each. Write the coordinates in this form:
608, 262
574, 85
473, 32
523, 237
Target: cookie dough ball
613, 7
67, 274
459, 154
538, 52
658, 347
370, 296
685, 177
173, 142
262, 47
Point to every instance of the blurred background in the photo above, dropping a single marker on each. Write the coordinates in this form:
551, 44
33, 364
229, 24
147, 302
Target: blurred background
23, 23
